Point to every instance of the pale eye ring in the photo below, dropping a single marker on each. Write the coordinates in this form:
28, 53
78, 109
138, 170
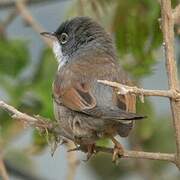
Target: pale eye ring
63, 38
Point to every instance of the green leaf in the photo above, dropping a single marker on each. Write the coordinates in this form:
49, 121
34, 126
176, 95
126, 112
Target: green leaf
13, 56
102, 142
43, 85
39, 142
21, 161
146, 127
137, 34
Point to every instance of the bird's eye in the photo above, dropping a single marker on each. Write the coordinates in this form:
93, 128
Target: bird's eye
63, 38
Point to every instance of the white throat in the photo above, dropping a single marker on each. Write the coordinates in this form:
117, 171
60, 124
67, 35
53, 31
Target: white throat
57, 49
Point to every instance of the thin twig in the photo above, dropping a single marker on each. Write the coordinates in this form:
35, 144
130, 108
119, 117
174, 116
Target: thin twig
42, 125
20, 173
29, 120
168, 36
95, 9
127, 154
176, 15
12, 3
136, 154
3, 172
142, 155
26, 15
11, 16
124, 89
80, 7
72, 162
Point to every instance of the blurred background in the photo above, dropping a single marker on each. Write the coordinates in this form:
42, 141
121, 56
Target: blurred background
27, 69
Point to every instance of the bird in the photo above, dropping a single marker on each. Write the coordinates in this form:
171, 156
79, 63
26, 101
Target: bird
85, 109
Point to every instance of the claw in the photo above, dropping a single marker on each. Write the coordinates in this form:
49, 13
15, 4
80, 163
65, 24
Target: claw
75, 149
118, 150
117, 153
90, 151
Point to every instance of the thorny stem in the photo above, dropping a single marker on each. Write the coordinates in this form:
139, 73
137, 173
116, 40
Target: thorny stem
168, 36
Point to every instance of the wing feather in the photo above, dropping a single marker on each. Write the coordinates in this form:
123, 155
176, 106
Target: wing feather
73, 88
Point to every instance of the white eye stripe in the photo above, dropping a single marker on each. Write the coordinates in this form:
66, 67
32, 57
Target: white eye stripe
57, 49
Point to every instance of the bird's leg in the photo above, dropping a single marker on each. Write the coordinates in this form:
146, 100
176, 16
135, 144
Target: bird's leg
90, 151
118, 149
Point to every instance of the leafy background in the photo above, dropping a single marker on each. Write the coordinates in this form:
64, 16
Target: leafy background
26, 75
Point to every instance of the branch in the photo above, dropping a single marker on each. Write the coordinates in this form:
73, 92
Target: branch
124, 89
136, 154
3, 172
80, 7
176, 15
142, 155
36, 122
72, 162
26, 15
10, 17
12, 3
168, 36
20, 173
43, 125
29, 120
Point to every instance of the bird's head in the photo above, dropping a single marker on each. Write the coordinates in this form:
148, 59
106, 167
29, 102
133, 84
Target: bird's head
80, 35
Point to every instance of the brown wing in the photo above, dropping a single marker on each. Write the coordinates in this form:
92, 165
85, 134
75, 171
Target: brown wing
82, 100
75, 84
78, 98
128, 101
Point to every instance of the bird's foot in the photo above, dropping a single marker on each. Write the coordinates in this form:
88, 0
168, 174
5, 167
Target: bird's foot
90, 151
74, 149
118, 150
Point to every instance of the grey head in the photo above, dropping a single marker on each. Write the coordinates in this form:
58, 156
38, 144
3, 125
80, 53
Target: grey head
80, 35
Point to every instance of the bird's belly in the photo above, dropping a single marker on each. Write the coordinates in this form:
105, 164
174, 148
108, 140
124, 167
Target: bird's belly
73, 126
81, 128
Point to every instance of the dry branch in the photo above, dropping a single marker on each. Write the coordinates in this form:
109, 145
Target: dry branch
29, 120
72, 162
26, 15
140, 154
35, 122
168, 36
3, 172
12, 3
11, 16
176, 15
124, 89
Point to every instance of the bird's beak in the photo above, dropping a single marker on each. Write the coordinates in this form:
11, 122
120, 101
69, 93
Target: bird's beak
49, 35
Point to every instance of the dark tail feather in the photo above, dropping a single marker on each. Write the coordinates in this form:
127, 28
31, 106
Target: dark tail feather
112, 113
123, 115
124, 129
